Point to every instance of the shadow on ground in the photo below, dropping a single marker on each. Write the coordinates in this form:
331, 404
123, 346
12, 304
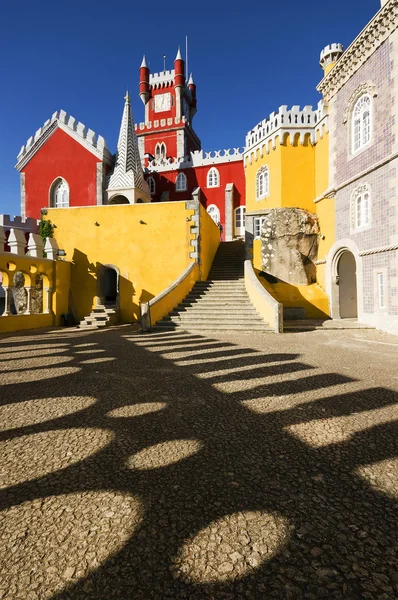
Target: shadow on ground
236, 493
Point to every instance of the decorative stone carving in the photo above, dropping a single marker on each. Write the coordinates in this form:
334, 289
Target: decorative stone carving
289, 239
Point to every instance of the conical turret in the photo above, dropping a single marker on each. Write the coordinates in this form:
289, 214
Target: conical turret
145, 92
127, 178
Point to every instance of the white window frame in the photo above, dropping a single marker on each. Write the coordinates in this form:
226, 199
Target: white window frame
262, 182
361, 124
160, 151
240, 214
361, 208
257, 226
152, 185
213, 178
214, 208
181, 187
54, 188
381, 290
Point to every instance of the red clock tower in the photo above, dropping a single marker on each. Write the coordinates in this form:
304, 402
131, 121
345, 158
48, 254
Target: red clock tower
170, 105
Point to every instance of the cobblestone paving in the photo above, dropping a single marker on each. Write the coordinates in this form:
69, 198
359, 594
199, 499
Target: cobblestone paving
178, 465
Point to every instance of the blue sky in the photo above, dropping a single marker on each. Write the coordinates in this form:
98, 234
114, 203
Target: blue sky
247, 60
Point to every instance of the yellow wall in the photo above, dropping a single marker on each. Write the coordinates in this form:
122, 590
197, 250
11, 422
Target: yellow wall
297, 174
174, 297
56, 274
266, 306
209, 242
273, 161
149, 243
311, 297
321, 164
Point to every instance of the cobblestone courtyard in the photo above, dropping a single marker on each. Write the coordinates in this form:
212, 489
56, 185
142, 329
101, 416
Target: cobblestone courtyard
198, 466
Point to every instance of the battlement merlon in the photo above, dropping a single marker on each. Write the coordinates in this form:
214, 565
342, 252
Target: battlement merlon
87, 137
294, 119
164, 77
172, 123
198, 158
25, 224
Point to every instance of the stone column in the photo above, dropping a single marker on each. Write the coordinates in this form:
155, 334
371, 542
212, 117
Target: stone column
7, 291
48, 291
29, 304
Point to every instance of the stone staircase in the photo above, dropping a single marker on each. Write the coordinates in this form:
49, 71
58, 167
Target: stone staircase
100, 316
221, 303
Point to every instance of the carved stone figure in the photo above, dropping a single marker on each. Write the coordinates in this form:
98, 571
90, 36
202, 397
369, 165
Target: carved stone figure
289, 245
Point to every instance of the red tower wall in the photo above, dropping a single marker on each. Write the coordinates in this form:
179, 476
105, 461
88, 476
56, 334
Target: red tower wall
60, 156
230, 172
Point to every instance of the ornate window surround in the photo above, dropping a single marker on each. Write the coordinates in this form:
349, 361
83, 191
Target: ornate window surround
262, 175
181, 182
359, 193
367, 88
213, 178
58, 181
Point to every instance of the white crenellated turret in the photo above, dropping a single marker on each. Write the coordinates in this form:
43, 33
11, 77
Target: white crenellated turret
329, 56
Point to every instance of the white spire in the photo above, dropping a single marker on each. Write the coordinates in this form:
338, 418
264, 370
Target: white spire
143, 64
191, 81
128, 170
179, 55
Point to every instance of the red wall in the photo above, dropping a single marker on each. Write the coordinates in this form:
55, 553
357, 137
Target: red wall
60, 156
230, 172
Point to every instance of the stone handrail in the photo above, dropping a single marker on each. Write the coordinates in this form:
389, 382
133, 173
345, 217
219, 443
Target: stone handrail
270, 309
163, 303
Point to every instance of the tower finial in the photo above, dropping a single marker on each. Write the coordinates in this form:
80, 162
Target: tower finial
179, 55
144, 63
127, 96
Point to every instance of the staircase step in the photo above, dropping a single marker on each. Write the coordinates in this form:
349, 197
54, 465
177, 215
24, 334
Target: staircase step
208, 327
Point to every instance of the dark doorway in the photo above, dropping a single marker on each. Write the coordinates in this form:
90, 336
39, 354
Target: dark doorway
110, 286
346, 270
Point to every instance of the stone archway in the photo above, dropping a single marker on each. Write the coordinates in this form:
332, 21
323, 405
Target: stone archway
344, 280
108, 285
119, 199
347, 282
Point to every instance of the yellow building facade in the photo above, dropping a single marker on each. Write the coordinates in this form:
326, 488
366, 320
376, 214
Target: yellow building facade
286, 163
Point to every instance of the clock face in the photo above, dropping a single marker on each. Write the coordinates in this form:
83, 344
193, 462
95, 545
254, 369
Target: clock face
162, 102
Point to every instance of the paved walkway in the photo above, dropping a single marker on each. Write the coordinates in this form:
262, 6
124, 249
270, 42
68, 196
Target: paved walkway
198, 466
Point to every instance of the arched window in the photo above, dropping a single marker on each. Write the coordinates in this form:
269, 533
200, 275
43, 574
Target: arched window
160, 151
152, 185
262, 183
361, 123
59, 194
181, 183
361, 208
214, 213
213, 178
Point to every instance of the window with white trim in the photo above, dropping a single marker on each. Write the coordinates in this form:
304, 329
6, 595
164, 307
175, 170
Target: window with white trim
262, 183
60, 194
258, 223
361, 123
152, 185
213, 178
240, 213
214, 213
181, 182
380, 290
360, 208
160, 151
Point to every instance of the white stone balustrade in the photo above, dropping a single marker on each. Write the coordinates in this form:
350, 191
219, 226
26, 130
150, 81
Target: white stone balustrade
17, 242
35, 245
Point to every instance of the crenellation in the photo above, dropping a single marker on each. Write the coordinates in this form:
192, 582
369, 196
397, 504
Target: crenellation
284, 122
17, 222
70, 124
198, 158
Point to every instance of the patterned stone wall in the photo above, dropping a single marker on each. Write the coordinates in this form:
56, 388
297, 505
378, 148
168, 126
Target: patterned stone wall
376, 71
